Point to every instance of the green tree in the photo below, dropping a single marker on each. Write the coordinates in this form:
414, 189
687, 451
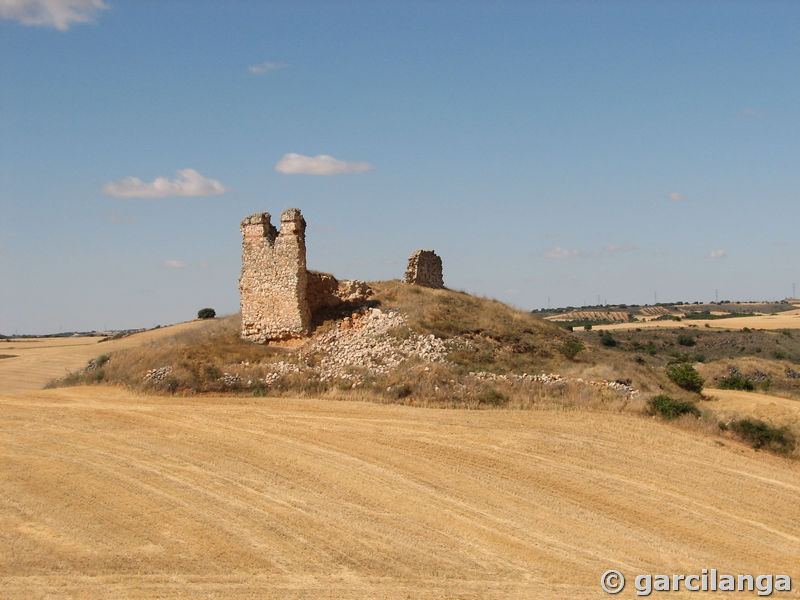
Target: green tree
685, 376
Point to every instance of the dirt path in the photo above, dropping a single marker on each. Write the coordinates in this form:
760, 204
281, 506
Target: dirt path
107, 494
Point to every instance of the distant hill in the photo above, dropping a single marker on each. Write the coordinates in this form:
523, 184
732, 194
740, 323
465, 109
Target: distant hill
621, 313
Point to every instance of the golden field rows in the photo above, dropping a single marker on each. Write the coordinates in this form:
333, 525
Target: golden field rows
784, 320
107, 494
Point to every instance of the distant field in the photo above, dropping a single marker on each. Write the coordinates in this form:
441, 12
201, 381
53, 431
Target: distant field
778, 410
107, 494
38, 360
785, 320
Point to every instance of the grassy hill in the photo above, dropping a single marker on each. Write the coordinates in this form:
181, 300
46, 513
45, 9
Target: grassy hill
411, 344
438, 348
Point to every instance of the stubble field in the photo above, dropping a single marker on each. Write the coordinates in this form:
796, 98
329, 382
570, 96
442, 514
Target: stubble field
784, 320
107, 494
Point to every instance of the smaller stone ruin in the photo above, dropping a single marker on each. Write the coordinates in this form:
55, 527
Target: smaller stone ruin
424, 268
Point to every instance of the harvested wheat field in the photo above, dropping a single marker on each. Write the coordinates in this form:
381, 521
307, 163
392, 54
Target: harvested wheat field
775, 409
35, 361
107, 494
789, 319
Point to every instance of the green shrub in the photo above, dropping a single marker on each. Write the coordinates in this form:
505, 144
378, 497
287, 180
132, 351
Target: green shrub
571, 348
607, 339
670, 408
684, 375
761, 435
735, 381
685, 339
206, 313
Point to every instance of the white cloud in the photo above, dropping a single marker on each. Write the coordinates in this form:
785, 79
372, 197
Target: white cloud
619, 247
676, 197
174, 264
188, 183
266, 66
717, 254
559, 252
322, 164
51, 13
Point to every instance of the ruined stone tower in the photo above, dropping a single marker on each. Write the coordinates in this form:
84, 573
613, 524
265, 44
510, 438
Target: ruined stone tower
274, 279
424, 268
279, 295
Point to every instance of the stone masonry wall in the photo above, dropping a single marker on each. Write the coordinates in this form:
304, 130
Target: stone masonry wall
279, 295
274, 279
424, 268
325, 291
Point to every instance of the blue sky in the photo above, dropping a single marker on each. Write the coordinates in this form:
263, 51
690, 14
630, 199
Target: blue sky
549, 152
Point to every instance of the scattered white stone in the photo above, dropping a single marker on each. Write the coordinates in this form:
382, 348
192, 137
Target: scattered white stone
154, 375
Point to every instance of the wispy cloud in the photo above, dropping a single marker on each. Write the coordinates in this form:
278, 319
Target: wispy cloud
676, 197
559, 252
174, 264
188, 183
717, 254
322, 164
751, 112
59, 14
266, 66
619, 247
